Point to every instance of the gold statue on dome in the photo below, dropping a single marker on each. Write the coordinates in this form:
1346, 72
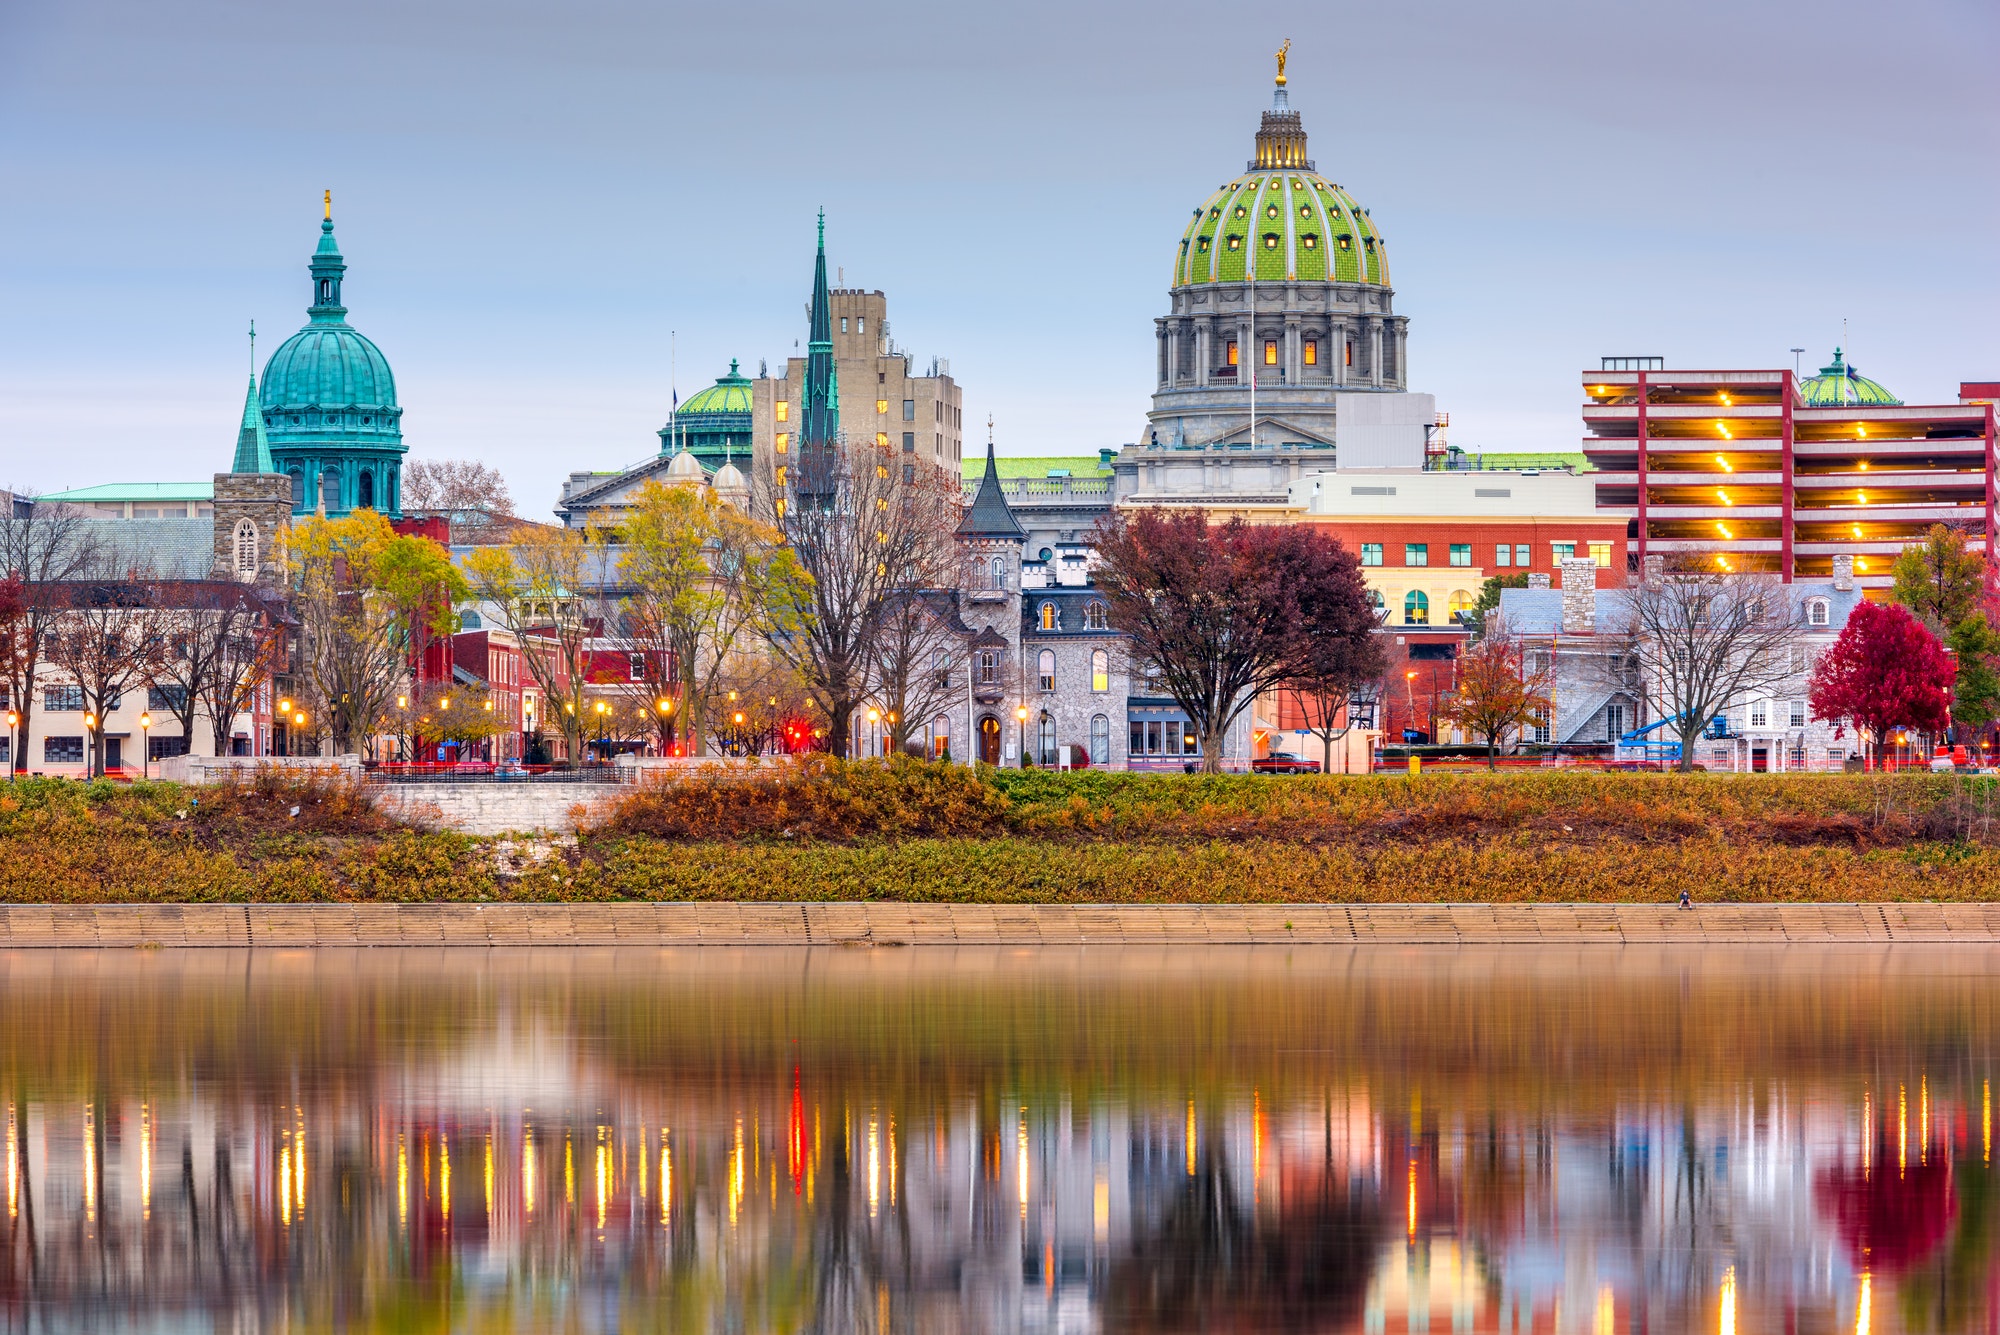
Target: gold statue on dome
1283, 51
329, 194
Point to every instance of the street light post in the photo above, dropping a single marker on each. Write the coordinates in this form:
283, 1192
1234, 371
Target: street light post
13, 743
90, 745
285, 715
874, 732
1021, 717
146, 740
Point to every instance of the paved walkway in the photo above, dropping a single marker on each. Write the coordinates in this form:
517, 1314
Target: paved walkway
279, 926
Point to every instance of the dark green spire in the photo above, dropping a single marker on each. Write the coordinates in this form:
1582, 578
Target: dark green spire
990, 516
253, 450
819, 415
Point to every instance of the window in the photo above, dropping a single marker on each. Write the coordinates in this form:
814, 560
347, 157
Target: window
882, 439
298, 490
1563, 550
909, 410
909, 472
1461, 553
1502, 554
1270, 352
1539, 731
246, 547
843, 324
1190, 741
1173, 745
365, 492
1051, 619
785, 440
860, 324
1816, 612
1600, 552
1100, 671
1416, 554
940, 668
999, 572
1135, 738
1100, 740
1312, 345
940, 739
159, 748
1760, 713
781, 475
784, 411
1231, 352
1047, 738
1310, 240
1614, 722
1371, 553
1045, 669
1094, 616
988, 661
1460, 607
1416, 609
62, 750
909, 442
62, 699
1798, 713
329, 488
635, 666
1521, 557
1381, 604
171, 699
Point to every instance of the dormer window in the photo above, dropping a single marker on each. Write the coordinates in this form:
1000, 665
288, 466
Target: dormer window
1816, 612
1242, 212
1202, 245
1270, 240
1310, 241
1346, 242
1235, 242
1271, 210
1051, 620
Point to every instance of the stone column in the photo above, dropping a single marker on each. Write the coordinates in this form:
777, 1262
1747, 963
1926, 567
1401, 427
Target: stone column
1292, 350
1160, 343
1173, 352
1375, 353
1338, 335
1201, 341
1402, 355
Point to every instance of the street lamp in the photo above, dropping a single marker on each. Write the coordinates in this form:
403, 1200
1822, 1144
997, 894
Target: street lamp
90, 750
874, 741
1021, 716
146, 756
1410, 692
285, 716
13, 742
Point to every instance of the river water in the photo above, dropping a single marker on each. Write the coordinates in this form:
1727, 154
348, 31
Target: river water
930, 1140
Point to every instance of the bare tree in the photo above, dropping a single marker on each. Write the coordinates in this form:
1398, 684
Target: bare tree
228, 639
864, 527
920, 654
473, 496
44, 546
111, 637
1703, 637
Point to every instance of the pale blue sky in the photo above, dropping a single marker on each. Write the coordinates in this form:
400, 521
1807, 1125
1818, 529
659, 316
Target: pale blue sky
531, 196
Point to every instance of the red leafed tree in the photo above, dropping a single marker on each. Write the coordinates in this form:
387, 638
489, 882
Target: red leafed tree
1886, 671
1225, 612
1496, 690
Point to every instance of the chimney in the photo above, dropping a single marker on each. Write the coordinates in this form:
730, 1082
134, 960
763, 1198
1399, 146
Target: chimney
1843, 573
1579, 594
1538, 580
1656, 569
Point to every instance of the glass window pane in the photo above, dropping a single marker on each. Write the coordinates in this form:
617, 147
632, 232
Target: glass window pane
1416, 554
1501, 554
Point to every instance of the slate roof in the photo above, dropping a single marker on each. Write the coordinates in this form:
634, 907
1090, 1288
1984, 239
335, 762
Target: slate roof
988, 516
1539, 611
164, 548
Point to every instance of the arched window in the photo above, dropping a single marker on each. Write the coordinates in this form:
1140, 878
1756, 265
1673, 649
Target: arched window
1816, 612
999, 572
365, 491
329, 489
1100, 670
1046, 669
1381, 606
1094, 617
1051, 619
1416, 609
298, 490
1100, 740
1461, 606
1048, 738
246, 548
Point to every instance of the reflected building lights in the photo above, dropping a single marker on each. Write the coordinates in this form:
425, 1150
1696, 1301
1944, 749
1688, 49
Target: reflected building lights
874, 1169
1902, 1130
666, 1180
1190, 1138
285, 1186
603, 1178
527, 1169
1021, 1159
444, 1178
402, 1181
145, 1161
1728, 1322
13, 1165
89, 1164
1862, 1304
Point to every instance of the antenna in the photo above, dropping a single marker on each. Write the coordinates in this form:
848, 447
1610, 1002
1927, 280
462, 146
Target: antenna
1796, 354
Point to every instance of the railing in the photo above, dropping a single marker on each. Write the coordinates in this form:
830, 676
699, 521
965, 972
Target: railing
488, 771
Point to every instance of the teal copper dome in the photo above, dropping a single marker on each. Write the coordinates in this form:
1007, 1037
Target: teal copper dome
329, 403
714, 424
1839, 384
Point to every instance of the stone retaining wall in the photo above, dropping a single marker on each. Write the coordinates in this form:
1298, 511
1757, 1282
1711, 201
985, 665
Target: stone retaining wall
494, 808
295, 925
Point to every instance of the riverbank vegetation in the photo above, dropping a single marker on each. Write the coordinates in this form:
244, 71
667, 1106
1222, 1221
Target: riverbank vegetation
909, 830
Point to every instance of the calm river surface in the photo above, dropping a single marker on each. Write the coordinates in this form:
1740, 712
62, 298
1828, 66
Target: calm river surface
932, 1140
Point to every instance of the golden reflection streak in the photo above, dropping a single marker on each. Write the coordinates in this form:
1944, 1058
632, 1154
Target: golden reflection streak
1867, 1133
285, 1186
736, 1174
1256, 1146
1902, 1130
666, 1180
1729, 1301
444, 1177
642, 1161
892, 1161
874, 1168
402, 1182
528, 1168
1413, 1200
90, 1164
1924, 1119
1100, 1208
1190, 1138
603, 1177
1985, 1120
299, 1163
146, 1160
1607, 1311
569, 1171
13, 1164
487, 1174
1021, 1158
1862, 1314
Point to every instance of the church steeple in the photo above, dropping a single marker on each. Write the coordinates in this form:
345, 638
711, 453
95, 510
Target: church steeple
820, 407
327, 267
253, 449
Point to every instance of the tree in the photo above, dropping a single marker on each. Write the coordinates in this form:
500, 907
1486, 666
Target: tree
224, 640
862, 530
1945, 585
1497, 690
1703, 637
1225, 612
1488, 600
1886, 671
537, 590
43, 546
369, 602
921, 652
707, 584
111, 637
470, 494
451, 711
1335, 669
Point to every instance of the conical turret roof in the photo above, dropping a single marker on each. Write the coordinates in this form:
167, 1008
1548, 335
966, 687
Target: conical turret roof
990, 516
253, 449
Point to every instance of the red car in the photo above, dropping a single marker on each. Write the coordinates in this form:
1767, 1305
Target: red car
1283, 762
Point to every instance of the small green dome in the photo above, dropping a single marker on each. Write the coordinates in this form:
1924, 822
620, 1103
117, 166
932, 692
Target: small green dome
714, 424
1300, 226
1839, 385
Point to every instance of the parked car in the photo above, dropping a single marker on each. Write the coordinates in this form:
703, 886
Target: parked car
1283, 762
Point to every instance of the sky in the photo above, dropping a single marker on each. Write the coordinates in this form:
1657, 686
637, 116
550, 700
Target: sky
552, 213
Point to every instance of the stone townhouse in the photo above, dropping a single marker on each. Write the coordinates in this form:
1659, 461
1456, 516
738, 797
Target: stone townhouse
1570, 627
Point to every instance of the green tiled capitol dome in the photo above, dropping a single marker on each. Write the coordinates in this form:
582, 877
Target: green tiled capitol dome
1841, 384
1299, 226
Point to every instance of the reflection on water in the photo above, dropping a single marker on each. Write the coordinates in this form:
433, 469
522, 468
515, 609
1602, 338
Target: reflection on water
914, 1140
